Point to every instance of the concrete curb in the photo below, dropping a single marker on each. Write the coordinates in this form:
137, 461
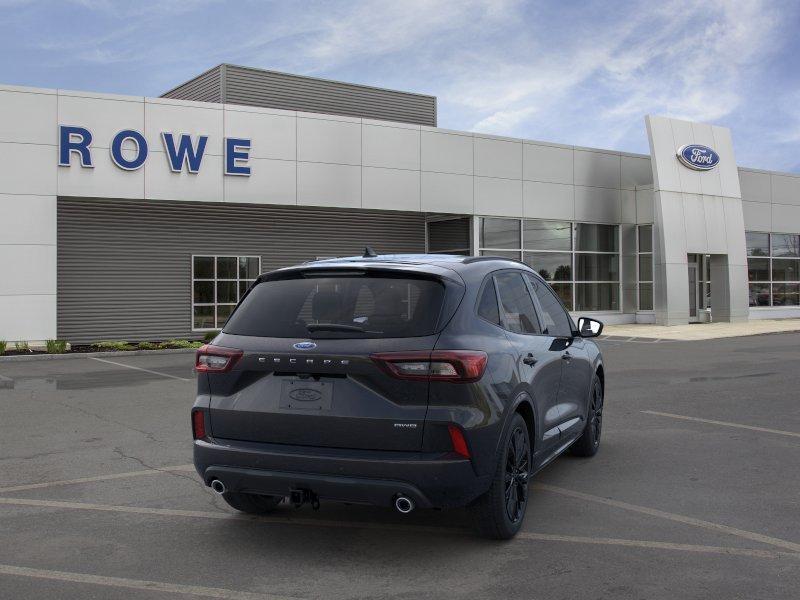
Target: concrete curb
29, 357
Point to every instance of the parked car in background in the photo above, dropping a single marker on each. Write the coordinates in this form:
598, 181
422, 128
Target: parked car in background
408, 381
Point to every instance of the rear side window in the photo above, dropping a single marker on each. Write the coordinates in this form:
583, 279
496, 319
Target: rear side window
516, 305
555, 320
487, 304
340, 307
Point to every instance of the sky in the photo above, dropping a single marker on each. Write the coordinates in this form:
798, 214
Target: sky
581, 73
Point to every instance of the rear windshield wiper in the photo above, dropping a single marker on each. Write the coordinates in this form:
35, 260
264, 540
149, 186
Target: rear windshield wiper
336, 327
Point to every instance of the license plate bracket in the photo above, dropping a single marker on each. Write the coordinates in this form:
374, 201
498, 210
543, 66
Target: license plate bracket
299, 394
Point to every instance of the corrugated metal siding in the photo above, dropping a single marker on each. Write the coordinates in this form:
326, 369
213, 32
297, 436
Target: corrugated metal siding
279, 90
449, 235
124, 266
206, 87
269, 89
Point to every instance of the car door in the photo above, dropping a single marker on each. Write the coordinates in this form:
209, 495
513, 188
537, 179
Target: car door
538, 367
576, 373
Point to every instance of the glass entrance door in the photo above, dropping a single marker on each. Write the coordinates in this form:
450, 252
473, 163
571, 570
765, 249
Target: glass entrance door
694, 290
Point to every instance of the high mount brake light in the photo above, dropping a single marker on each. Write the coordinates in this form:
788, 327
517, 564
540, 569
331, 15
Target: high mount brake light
457, 366
216, 359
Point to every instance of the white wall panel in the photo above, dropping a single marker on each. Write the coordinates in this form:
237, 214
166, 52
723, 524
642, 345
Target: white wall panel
106, 180
627, 207
548, 200
27, 219
644, 206
28, 118
178, 118
547, 163
270, 182
727, 170
28, 269
757, 216
271, 135
390, 189
498, 197
710, 183
635, 172
336, 142
162, 184
393, 147
785, 218
28, 169
786, 189
104, 118
597, 169
320, 184
28, 317
755, 186
662, 147
597, 205
448, 193
694, 219
447, 153
498, 158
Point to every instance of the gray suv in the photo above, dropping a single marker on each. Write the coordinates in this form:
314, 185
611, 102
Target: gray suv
404, 381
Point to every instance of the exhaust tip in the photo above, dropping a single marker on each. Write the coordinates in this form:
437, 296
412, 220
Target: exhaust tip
218, 487
403, 504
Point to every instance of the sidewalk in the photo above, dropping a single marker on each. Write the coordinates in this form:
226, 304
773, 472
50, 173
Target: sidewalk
702, 331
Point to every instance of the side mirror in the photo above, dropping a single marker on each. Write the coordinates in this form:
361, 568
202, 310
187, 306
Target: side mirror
588, 327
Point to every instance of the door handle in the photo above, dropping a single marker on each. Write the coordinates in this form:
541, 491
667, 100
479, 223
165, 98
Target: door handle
529, 360
566, 356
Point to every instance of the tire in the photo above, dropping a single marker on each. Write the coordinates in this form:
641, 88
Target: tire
499, 513
589, 443
253, 504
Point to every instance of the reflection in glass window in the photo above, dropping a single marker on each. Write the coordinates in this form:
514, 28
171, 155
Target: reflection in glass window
516, 305
785, 244
757, 243
500, 233
774, 275
596, 238
563, 253
218, 282
547, 235
644, 248
552, 266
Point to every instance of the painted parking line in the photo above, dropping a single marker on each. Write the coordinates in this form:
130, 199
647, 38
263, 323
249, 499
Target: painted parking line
723, 423
140, 473
138, 584
276, 520
119, 364
653, 512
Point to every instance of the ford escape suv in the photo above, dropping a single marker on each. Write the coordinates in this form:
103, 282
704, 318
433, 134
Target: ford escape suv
403, 381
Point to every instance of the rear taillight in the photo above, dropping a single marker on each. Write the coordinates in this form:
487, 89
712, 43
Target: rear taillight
198, 425
215, 359
458, 366
457, 438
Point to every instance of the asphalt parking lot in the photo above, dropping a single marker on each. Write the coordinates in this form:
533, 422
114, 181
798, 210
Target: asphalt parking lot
695, 493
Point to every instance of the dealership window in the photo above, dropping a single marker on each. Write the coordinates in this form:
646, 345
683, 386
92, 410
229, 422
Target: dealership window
579, 260
773, 268
644, 251
217, 284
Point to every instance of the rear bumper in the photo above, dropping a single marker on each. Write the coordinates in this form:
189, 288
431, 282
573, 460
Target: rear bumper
357, 476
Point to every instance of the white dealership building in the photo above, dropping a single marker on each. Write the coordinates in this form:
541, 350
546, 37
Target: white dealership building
135, 218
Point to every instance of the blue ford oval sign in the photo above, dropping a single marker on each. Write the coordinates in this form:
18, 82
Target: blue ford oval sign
304, 346
697, 157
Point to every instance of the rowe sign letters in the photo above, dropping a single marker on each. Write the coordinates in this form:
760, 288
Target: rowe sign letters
181, 151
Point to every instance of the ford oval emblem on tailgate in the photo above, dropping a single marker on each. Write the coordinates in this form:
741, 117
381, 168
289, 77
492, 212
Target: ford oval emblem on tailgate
304, 346
305, 395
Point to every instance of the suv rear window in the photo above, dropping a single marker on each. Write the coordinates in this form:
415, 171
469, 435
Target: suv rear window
352, 306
